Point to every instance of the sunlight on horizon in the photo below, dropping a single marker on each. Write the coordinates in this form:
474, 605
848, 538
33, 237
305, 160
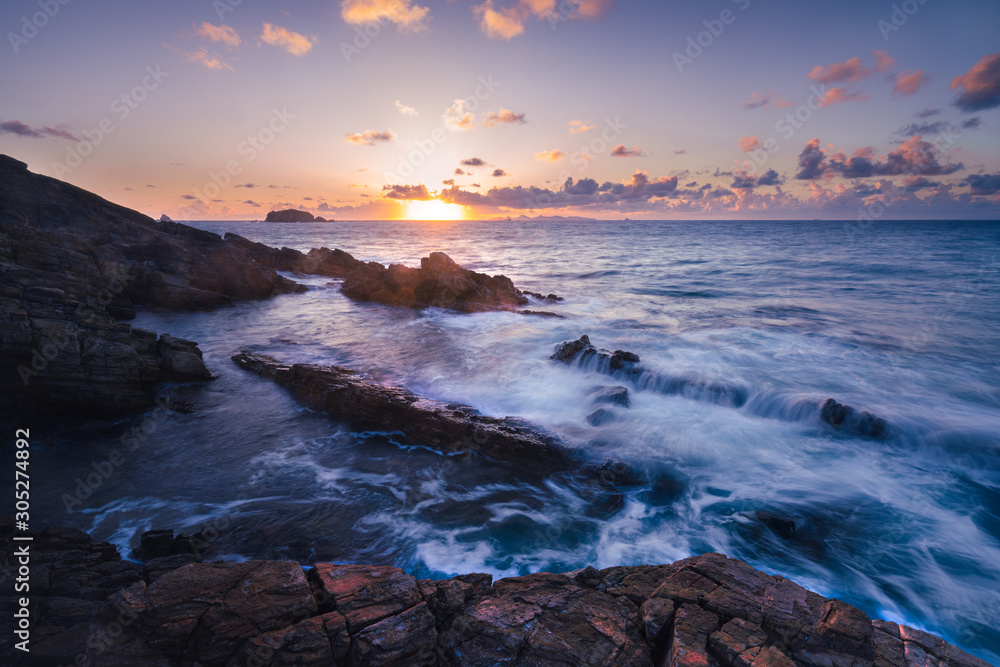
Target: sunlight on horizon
434, 209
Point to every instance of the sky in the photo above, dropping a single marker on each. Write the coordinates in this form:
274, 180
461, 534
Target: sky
486, 109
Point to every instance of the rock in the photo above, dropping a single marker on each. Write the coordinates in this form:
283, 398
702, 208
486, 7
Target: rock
73, 267
583, 352
446, 427
92, 608
781, 526
165, 218
543, 297
611, 395
601, 416
290, 215
857, 422
541, 313
318, 261
438, 283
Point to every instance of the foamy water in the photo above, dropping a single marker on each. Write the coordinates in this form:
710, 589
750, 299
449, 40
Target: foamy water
744, 329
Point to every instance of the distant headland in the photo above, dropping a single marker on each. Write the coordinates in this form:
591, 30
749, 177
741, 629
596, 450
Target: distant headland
293, 215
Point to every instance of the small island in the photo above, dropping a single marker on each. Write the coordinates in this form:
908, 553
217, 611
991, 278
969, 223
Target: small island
293, 215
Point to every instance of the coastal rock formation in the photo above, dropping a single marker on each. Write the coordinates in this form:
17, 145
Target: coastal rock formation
438, 283
318, 261
290, 215
73, 266
445, 427
89, 607
858, 422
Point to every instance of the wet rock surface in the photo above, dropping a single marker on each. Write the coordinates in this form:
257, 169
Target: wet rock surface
446, 427
73, 266
438, 283
92, 608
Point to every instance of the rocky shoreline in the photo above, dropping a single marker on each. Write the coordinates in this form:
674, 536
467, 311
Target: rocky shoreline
90, 607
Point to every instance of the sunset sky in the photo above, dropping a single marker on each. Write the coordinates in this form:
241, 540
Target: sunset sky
386, 109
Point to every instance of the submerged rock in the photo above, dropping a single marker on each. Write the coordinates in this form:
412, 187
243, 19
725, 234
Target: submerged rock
438, 283
858, 422
445, 427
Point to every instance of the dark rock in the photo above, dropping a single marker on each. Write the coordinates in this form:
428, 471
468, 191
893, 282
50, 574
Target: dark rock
543, 297
438, 283
781, 526
448, 428
620, 474
601, 416
857, 422
541, 313
612, 395
289, 215
73, 267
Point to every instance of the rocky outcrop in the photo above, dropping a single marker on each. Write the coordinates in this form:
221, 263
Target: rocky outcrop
856, 422
446, 427
318, 261
73, 266
89, 607
438, 283
290, 215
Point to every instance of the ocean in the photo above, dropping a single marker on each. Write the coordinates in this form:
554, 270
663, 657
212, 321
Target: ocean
751, 326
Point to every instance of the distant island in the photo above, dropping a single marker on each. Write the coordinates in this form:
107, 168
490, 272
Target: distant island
548, 218
293, 215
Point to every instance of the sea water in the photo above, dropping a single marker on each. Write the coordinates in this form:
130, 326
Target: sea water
743, 328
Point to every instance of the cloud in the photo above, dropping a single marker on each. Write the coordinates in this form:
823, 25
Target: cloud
982, 184
749, 143
579, 127
449, 181
621, 151
188, 197
850, 71
404, 13
219, 33
293, 42
25, 130
923, 128
460, 172
550, 156
405, 110
508, 22
812, 161
927, 113
458, 119
744, 181
473, 162
980, 85
769, 100
970, 123
837, 95
504, 24
680, 151
505, 116
914, 183
909, 82
203, 57
914, 156
499, 173
410, 192
370, 137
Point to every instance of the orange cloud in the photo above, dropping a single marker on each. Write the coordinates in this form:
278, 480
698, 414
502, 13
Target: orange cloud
851, 70
621, 151
293, 42
219, 33
457, 118
404, 13
768, 100
504, 24
370, 137
838, 95
550, 156
749, 143
505, 116
204, 58
579, 127
508, 22
909, 82
980, 85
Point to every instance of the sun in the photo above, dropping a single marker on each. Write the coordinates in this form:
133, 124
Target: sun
434, 209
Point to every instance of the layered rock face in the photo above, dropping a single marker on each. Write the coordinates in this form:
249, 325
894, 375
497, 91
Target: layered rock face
92, 608
438, 283
72, 268
447, 427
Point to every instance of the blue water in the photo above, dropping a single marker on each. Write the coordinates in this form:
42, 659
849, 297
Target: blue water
901, 319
